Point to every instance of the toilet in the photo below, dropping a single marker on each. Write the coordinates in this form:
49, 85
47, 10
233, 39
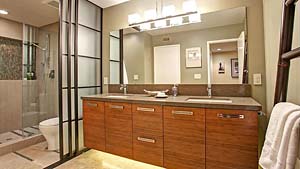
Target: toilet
49, 129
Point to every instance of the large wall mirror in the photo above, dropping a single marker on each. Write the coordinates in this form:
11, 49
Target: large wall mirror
211, 51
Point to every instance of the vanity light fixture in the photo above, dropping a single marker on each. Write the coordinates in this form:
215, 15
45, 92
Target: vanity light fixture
166, 17
3, 12
219, 49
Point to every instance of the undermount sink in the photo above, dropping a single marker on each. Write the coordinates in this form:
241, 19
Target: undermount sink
118, 96
209, 100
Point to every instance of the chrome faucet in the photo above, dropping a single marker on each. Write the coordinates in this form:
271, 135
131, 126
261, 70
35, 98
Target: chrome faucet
209, 92
124, 88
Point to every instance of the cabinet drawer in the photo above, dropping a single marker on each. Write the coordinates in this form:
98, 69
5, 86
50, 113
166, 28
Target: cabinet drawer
148, 148
147, 119
118, 125
184, 138
93, 106
93, 125
231, 139
184, 113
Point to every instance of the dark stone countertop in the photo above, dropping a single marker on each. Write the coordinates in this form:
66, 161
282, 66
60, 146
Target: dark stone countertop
240, 103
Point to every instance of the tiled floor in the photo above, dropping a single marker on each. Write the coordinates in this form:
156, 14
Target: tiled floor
98, 160
18, 134
32, 157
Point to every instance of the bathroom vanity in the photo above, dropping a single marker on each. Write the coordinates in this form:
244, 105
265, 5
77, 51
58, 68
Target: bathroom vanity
177, 132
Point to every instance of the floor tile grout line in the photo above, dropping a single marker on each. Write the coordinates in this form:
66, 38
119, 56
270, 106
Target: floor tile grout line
23, 156
16, 133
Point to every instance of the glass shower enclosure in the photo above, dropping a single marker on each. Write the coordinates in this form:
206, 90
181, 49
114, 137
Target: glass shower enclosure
40, 84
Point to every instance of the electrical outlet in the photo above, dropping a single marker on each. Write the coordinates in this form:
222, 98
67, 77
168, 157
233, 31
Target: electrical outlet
197, 76
105, 80
257, 79
135, 77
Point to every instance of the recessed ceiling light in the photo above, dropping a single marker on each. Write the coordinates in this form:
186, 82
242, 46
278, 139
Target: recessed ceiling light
219, 49
3, 12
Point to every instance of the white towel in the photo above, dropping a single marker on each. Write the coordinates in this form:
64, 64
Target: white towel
288, 151
279, 115
294, 145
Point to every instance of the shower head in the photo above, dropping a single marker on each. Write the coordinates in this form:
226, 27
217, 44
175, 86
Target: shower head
43, 49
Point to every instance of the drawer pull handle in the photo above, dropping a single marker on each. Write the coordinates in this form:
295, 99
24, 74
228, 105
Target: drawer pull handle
116, 107
231, 116
92, 104
148, 140
145, 109
189, 113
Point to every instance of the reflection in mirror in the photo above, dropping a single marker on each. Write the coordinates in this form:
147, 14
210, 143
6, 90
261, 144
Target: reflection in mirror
186, 54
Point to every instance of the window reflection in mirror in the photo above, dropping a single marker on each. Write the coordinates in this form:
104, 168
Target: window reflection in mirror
211, 51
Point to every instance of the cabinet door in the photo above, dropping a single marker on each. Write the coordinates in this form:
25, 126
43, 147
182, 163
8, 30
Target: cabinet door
148, 133
93, 125
118, 123
231, 139
184, 138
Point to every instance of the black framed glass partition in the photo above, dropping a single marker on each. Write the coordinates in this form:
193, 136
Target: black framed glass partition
80, 68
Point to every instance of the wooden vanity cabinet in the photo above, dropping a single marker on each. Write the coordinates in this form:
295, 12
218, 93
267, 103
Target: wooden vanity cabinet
93, 125
118, 125
148, 133
231, 139
184, 138
173, 137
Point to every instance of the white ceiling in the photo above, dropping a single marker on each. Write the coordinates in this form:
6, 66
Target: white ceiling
33, 12
107, 3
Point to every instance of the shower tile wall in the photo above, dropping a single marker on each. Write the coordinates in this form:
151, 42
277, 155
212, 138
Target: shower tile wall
10, 59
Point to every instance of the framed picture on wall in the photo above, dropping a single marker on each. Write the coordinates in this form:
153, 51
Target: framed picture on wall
193, 57
234, 68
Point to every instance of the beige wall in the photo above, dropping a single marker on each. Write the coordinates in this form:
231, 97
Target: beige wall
11, 29
116, 17
272, 18
224, 57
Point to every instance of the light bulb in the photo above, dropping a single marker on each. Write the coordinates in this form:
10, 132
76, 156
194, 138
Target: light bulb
168, 10
3, 12
134, 18
189, 6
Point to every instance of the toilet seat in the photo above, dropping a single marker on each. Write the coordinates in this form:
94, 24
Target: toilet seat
50, 122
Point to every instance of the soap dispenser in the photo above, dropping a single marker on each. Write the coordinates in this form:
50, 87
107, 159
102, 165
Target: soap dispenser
175, 90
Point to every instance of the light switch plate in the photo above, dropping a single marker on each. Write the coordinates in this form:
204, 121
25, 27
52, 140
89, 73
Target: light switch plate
105, 80
197, 76
257, 79
135, 77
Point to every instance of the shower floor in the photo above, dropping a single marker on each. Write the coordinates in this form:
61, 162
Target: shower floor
16, 135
